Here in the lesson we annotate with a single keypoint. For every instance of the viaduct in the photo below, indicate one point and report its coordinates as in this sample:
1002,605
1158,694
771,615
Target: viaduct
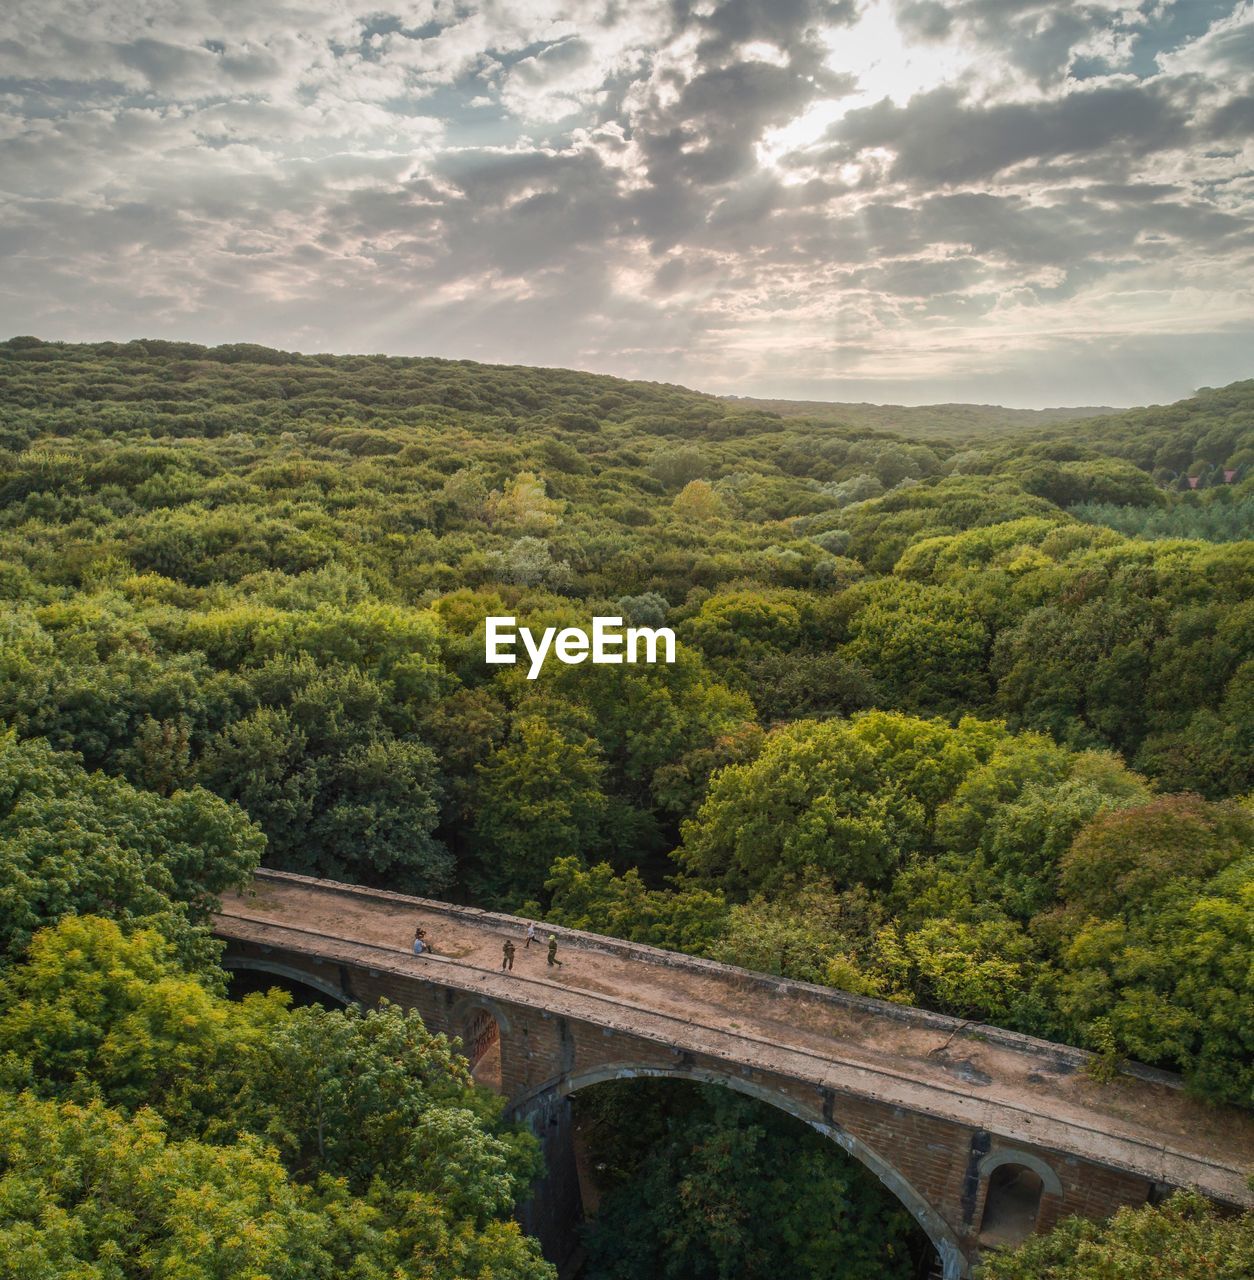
984,1135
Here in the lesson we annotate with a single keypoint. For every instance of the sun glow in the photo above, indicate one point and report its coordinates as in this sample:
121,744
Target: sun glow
885,63
888,64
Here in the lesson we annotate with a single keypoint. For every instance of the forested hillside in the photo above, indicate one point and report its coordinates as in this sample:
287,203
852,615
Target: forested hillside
963,725
954,422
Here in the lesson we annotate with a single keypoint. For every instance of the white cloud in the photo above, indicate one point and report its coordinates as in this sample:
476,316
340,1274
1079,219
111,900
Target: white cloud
745,196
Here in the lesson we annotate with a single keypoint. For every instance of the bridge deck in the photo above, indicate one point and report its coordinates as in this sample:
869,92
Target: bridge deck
1025,1090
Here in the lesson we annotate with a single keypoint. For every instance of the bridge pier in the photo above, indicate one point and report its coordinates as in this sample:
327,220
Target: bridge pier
554,1211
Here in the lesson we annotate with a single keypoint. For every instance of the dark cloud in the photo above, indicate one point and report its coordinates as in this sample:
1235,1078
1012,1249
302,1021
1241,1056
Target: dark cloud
1235,119
788,24
925,19
939,138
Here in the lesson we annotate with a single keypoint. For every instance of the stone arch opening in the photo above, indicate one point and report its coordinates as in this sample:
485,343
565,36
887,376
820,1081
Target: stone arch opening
1011,1205
952,1262
481,1043
249,975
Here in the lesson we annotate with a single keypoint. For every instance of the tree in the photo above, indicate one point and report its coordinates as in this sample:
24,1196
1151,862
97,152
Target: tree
674,468
529,562
801,685
969,969
321,767
926,645
736,626
697,501
72,842
841,801
1169,982
375,1096
595,899
88,1191
94,1012
1120,860
354,1104
697,1181
1181,1239
524,505
539,796
812,935
379,805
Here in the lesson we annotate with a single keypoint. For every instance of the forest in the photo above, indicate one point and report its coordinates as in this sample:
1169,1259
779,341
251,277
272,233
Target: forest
962,717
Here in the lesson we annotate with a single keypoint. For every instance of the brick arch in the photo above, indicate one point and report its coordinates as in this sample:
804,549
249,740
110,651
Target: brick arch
483,1028
257,965
467,1004
954,1262
1051,1185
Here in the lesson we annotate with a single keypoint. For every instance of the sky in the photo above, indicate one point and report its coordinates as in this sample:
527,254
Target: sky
1025,202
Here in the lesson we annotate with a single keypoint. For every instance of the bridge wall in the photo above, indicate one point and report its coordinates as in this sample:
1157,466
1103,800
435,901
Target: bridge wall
938,1168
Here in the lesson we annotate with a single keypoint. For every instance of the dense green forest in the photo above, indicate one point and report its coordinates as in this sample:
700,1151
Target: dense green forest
963,719
954,422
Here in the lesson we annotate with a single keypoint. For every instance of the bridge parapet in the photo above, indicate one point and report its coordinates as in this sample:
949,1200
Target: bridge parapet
1055,1056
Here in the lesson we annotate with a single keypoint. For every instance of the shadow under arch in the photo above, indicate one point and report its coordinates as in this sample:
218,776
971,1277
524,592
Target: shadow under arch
1017,1182
954,1263
290,976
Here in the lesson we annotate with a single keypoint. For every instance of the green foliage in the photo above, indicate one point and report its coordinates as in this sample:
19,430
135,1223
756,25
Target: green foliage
940,421
89,1192
539,795
1155,934
247,576
812,935
248,589
597,900
1213,521
73,842
1122,860
703,1184
95,1013
364,1122
925,646
844,801
1182,1239
369,1096
972,969
86,1192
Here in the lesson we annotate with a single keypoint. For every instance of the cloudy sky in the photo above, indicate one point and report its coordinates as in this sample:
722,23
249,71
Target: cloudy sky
1023,201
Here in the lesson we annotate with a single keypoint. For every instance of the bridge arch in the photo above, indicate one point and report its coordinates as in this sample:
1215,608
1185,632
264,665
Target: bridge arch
954,1262
302,977
1014,1184
1050,1182
483,1028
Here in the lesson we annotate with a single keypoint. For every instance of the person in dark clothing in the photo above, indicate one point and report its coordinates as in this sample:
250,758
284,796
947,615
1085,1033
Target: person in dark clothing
507,956
553,960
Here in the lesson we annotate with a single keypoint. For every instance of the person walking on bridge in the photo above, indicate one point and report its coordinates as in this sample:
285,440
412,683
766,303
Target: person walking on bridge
553,960
507,956
531,935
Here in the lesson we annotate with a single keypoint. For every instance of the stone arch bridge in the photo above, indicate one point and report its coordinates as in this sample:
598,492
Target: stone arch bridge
983,1134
